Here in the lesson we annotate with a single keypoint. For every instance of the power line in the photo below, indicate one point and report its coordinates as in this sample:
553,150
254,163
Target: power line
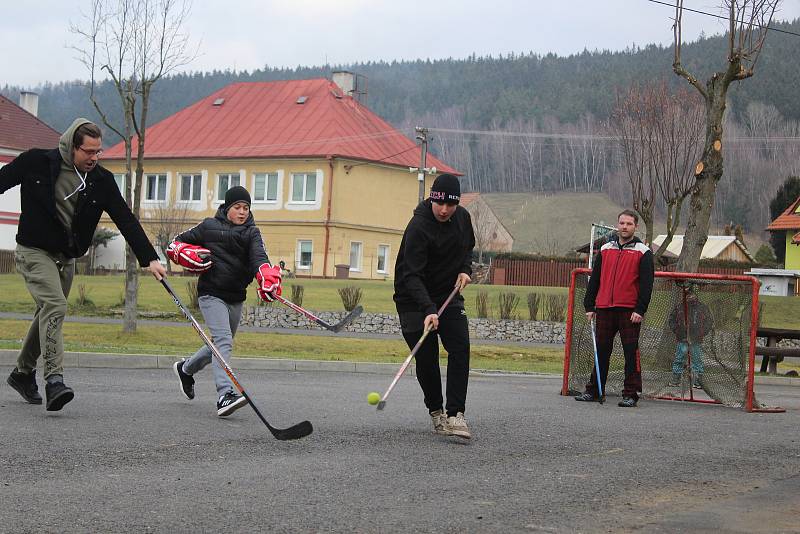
769,28
594,137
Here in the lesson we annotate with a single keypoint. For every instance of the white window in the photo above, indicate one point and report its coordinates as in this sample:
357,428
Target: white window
355,256
120,179
304,187
225,182
191,187
265,187
156,187
383,258
304,250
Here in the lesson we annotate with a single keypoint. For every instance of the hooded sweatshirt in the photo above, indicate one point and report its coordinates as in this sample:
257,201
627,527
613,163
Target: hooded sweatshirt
69,180
237,251
432,254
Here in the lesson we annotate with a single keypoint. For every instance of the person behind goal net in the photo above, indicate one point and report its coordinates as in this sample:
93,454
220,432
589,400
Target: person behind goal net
690,320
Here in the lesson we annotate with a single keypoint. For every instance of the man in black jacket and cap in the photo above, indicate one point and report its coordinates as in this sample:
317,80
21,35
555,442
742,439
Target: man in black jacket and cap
435,256
63,193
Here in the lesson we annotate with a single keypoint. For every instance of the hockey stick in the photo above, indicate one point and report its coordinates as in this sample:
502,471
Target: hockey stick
300,430
338,327
407,362
596,363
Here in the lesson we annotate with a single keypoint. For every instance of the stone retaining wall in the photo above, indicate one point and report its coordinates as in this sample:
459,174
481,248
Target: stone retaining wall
384,323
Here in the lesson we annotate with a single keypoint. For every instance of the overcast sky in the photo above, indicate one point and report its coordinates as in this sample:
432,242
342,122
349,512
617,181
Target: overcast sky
249,34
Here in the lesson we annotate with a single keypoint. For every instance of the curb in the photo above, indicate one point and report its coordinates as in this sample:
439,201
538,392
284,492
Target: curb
154,361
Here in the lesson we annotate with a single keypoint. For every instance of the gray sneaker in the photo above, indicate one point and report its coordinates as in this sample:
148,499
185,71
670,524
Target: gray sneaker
439,420
457,426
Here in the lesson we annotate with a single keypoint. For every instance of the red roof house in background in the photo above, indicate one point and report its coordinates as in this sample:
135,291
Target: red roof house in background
20,130
292,118
330,180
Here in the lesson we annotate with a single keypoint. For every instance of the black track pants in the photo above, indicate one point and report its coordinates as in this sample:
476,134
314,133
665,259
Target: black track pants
454,333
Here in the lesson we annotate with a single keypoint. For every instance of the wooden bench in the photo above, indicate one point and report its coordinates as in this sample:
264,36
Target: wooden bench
772,354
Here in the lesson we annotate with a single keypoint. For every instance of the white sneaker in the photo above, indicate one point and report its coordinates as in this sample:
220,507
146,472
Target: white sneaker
439,420
457,426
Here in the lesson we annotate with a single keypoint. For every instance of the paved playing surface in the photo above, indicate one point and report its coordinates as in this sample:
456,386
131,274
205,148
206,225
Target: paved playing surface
130,455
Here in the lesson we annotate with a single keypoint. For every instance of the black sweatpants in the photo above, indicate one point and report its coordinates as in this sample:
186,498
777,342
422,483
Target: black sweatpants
454,333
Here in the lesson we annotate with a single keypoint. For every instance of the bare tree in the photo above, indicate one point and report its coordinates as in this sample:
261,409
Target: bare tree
135,43
167,220
484,226
748,23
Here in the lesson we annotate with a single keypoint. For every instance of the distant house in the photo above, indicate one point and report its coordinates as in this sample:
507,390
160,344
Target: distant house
717,247
490,234
788,223
20,130
330,181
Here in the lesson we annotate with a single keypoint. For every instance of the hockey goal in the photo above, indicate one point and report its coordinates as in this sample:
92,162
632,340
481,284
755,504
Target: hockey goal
697,342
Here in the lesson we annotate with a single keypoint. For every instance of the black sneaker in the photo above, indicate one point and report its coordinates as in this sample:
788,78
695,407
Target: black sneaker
25,386
187,381
627,402
58,395
586,397
229,403
698,382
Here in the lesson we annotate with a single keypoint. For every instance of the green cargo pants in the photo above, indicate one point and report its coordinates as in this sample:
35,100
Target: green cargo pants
48,277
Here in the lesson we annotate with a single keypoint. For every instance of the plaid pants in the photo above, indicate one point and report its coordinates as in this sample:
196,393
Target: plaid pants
608,323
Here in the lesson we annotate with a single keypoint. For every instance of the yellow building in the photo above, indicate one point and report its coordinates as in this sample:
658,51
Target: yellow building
329,180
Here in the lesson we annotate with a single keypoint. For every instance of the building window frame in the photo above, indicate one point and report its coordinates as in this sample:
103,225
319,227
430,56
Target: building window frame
230,179
304,263
303,194
158,191
195,187
270,182
385,256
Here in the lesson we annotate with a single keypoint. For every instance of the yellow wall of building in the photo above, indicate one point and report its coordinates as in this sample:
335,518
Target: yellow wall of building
371,205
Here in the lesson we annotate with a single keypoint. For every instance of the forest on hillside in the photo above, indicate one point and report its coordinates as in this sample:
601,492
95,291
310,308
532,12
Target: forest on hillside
536,123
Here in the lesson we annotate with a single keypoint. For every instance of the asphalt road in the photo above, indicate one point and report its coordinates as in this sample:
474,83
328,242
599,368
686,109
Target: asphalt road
130,455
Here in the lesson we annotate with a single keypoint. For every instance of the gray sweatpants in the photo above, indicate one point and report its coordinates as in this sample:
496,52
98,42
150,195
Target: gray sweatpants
222,319
48,277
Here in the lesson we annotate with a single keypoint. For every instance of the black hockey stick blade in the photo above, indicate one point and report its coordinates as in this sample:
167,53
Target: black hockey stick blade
381,405
348,319
300,430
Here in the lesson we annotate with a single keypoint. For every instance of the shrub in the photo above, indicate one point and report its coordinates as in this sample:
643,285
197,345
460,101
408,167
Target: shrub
533,305
83,300
508,303
191,288
351,296
297,294
482,304
557,308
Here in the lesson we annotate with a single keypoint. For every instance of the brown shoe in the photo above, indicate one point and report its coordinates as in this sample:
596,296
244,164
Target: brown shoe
457,426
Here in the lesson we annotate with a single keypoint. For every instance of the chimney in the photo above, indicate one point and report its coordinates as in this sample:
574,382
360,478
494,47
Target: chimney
345,80
29,102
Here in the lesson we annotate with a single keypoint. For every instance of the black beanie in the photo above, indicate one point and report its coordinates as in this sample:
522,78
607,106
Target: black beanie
446,188
236,194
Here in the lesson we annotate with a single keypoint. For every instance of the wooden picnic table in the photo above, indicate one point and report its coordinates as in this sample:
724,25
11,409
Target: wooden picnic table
772,354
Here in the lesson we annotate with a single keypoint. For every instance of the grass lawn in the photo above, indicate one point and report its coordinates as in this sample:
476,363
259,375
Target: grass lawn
181,340
106,293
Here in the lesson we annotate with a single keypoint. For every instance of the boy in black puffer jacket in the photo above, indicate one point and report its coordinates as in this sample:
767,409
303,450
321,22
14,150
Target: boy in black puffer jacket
228,250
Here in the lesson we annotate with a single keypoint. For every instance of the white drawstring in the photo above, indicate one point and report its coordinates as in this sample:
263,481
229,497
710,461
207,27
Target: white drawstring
82,185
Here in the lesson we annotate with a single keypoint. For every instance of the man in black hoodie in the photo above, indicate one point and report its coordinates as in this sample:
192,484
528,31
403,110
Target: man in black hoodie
435,256
63,193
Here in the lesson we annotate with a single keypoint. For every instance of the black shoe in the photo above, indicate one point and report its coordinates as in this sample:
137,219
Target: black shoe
25,386
58,395
187,381
229,403
586,397
628,402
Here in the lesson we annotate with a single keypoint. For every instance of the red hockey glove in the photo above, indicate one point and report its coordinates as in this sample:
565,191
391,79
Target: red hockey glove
193,258
269,282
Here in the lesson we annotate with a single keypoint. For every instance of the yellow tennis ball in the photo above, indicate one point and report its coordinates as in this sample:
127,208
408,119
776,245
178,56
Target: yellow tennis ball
374,398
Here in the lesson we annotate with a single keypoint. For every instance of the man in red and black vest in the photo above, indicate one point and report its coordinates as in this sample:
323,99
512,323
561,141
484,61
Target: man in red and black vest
617,298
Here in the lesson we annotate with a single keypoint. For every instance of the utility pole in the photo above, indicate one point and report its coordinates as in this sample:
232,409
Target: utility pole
422,137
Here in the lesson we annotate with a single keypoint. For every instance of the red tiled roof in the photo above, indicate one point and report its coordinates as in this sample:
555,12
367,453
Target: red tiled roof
796,239
788,220
6,159
19,130
264,120
468,198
